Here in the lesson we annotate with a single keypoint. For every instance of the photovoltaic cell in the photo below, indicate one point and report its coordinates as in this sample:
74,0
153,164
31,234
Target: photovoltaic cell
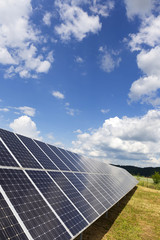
97,184
52,156
71,158
5,157
18,150
106,187
63,207
74,196
63,158
95,191
86,193
36,151
9,226
40,221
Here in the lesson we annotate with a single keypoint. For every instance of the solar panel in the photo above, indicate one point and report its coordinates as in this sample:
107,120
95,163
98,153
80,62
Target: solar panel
36,151
50,193
18,150
9,226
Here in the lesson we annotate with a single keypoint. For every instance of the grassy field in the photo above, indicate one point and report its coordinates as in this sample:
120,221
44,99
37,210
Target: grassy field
136,217
147,182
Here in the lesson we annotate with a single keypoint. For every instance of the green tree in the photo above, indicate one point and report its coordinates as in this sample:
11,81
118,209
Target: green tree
156,177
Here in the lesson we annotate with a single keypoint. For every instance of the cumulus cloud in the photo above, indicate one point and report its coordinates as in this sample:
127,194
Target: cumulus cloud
25,126
148,34
47,18
58,95
141,8
27,110
18,39
75,21
146,41
124,140
109,60
102,9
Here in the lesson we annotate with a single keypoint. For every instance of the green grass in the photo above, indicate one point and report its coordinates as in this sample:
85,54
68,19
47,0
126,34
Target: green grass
136,217
147,182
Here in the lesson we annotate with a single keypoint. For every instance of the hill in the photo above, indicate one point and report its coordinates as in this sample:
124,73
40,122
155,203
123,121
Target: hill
147,171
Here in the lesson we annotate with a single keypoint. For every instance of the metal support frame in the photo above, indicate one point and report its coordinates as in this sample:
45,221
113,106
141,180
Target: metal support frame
81,236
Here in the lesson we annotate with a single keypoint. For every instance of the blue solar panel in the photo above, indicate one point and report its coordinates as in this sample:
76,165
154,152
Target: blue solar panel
36,151
64,208
9,226
76,163
86,193
63,158
40,221
52,156
19,151
95,191
5,157
75,197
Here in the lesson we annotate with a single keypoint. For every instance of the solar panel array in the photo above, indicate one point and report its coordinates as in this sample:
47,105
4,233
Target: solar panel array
49,193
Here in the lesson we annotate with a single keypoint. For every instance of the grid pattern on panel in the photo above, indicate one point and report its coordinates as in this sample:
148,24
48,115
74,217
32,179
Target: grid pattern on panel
63,155
86,193
94,190
9,226
36,151
74,195
97,184
106,187
40,221
63,207
52,155
5,157
64,159
71,157
19,151
50,152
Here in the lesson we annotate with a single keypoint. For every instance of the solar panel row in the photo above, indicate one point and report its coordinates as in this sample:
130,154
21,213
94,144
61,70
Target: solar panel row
55,193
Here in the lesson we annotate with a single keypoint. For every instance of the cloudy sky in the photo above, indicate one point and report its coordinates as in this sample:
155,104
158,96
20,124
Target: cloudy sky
84,75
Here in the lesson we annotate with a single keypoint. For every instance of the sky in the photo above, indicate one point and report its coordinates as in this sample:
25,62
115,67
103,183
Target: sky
83,75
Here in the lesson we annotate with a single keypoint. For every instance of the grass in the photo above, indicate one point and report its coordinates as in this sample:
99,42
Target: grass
147,182
136,217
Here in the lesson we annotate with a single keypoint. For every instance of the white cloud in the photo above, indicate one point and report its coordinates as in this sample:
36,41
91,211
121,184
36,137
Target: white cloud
78,131
102,9
4,110
58,95
104,111
50,136
141,8
71,111
149,34
109,60
5,57
124,140
47,18
75,21
143,87
27,110
79,59
18,39
147,41
25,126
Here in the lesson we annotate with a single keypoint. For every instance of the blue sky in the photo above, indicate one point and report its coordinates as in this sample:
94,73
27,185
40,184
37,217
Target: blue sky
84,75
